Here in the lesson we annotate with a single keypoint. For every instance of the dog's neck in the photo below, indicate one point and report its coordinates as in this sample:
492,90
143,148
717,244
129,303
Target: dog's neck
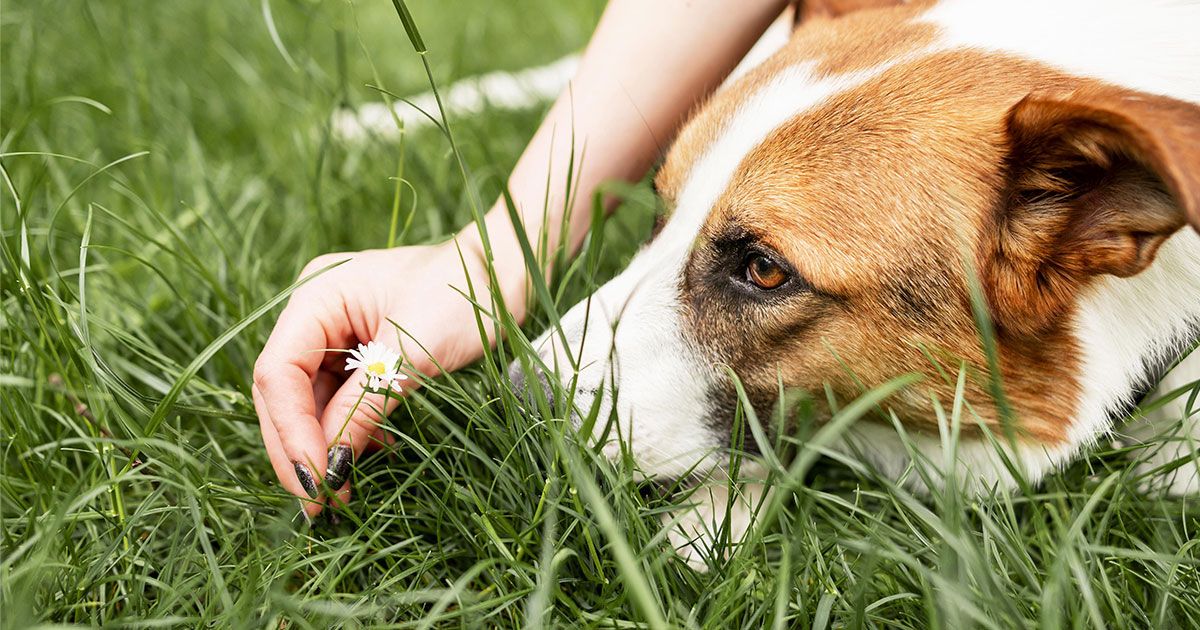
1129,329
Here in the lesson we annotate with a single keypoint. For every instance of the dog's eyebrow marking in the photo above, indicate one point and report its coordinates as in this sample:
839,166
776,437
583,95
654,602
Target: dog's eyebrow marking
791,92
912,303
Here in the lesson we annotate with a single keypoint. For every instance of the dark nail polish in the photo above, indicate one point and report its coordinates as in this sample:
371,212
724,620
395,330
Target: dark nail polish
307,480
338,469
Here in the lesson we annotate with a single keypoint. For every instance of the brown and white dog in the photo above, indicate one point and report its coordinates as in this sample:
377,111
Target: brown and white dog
827,209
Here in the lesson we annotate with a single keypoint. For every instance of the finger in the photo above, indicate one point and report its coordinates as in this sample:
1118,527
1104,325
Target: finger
325,385
310,507
353,418
351,421
377,440
284,376
284,469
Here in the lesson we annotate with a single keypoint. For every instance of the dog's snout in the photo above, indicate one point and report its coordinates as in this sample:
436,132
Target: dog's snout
525,387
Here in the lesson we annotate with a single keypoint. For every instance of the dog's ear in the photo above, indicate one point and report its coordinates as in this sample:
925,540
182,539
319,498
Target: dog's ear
1097,179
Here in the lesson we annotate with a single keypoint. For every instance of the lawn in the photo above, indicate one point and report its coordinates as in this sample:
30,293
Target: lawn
168,167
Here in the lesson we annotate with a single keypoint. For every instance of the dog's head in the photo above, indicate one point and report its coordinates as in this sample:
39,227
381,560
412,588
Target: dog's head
826,214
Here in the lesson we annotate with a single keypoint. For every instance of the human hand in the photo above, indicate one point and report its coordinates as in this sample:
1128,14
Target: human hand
315,420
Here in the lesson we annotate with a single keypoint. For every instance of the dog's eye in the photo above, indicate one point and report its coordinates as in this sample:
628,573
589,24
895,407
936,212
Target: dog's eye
765,273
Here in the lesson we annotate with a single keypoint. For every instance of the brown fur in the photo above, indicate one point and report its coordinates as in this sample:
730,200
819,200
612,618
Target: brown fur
861,40
808,10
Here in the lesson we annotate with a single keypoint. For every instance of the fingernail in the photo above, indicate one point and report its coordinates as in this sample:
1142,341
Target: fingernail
339,467
307,480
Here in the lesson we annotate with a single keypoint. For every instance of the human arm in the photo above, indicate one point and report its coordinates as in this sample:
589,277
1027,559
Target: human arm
647,65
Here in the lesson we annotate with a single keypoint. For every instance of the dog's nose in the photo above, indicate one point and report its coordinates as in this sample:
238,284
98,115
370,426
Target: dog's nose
523,386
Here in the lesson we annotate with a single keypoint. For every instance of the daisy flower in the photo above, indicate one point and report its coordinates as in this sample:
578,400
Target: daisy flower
379,362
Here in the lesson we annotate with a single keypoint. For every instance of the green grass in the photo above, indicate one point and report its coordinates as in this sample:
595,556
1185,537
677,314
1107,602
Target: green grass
167,170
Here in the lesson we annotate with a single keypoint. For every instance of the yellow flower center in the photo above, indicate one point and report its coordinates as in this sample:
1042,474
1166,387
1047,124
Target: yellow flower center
377,368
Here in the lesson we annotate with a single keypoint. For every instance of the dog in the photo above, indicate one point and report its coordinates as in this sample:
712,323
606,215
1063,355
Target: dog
836,214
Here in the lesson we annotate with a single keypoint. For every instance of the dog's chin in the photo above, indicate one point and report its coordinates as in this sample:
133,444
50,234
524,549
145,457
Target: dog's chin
714,513
714,516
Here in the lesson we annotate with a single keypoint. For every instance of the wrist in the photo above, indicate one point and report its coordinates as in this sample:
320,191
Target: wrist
504,256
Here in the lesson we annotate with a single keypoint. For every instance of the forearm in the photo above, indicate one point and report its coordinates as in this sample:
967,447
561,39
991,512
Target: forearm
647,65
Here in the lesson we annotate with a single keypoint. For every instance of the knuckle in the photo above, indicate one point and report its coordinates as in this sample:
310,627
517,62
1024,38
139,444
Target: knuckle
265,372
366,421
312,267
316,264
362,419
323,261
